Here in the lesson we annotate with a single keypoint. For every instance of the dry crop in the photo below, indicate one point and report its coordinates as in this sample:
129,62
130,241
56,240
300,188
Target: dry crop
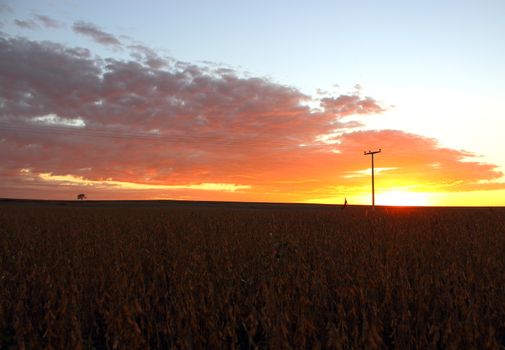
190,277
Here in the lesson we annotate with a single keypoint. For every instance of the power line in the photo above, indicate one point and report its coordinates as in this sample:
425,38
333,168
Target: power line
161,138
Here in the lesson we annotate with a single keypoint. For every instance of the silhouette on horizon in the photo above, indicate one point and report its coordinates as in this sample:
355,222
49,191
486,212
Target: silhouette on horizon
81,196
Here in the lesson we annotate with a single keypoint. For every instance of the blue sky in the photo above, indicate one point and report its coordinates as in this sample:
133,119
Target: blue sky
311,44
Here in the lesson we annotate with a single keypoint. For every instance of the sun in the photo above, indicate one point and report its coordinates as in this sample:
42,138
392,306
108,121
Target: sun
402,198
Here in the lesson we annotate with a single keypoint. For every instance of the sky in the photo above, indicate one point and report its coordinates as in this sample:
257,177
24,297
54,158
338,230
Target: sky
253,101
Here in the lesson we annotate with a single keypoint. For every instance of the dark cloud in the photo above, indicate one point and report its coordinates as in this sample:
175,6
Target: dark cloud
42,78
66,112
95,33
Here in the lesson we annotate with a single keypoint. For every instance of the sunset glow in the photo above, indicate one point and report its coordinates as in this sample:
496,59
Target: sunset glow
69,180
403,198
86,106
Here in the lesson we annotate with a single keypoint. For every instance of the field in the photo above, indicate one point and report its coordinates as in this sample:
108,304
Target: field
132,275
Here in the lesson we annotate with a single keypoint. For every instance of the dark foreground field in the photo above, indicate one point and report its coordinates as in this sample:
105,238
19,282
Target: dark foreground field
131,275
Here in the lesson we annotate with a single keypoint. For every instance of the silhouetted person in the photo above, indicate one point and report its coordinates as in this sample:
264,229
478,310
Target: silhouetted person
345,203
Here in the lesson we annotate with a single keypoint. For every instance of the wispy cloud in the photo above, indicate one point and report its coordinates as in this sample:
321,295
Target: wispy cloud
27,24
351,104
37,21
366,172
48,22
70,180
95,33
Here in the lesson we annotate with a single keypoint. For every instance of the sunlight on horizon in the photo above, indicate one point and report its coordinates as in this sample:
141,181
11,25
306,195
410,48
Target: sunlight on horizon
403,198
393,197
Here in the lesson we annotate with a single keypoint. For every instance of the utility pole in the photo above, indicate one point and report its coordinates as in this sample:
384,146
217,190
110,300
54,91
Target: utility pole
373,184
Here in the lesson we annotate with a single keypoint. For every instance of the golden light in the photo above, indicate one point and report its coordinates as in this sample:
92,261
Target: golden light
403,198
71,180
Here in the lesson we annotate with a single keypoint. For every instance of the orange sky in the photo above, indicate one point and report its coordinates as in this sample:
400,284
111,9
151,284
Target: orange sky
162,129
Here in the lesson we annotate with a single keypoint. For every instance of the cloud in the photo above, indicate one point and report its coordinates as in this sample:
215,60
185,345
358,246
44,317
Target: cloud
414,160
48,22
37,21
70,180
95,33
26,24
351,104
148,56
174,128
